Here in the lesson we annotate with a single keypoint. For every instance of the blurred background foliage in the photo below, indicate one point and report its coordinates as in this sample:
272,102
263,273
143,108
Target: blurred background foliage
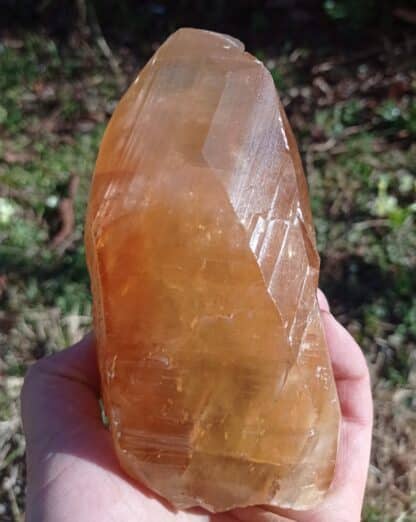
346,73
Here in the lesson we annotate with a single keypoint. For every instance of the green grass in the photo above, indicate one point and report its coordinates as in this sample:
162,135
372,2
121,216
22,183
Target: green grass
41,147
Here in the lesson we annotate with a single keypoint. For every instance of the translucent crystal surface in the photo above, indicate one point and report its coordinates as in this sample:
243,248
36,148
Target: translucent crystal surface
200,244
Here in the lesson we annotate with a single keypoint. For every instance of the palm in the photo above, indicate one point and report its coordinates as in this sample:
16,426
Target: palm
74,474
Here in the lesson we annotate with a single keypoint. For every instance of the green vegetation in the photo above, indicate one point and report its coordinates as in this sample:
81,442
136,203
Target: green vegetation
355,118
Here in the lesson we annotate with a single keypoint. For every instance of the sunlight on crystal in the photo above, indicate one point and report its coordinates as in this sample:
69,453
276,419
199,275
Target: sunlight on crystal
201,248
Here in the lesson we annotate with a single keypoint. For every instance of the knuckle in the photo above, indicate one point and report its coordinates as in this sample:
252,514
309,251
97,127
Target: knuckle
31,380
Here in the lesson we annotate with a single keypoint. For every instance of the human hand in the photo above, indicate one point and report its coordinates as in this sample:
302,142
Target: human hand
73,474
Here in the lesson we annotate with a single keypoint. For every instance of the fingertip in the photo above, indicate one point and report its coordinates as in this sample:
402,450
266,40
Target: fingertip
322,301
347,358
77,363
351,373
61,391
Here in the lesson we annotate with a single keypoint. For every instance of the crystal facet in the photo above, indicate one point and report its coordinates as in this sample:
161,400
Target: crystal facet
200,243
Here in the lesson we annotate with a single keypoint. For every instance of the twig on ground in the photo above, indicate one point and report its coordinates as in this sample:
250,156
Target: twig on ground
352,58
371,223
103,45
66,213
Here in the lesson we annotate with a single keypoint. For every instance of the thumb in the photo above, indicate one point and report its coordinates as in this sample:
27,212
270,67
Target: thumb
60,397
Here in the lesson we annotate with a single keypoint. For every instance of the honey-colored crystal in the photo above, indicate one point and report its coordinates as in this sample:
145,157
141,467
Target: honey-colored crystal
200,244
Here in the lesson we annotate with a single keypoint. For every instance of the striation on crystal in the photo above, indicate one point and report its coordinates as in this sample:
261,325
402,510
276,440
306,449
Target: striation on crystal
200,244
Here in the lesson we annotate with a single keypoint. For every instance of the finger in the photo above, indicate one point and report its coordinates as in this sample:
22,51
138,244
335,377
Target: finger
258,514
61,392
62,421
77,363
354,391
322,301
350,372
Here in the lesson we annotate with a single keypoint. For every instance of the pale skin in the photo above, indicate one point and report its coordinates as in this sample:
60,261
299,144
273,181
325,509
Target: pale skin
73,473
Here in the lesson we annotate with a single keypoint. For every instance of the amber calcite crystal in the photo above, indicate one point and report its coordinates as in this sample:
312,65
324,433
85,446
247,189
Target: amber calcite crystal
200,243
